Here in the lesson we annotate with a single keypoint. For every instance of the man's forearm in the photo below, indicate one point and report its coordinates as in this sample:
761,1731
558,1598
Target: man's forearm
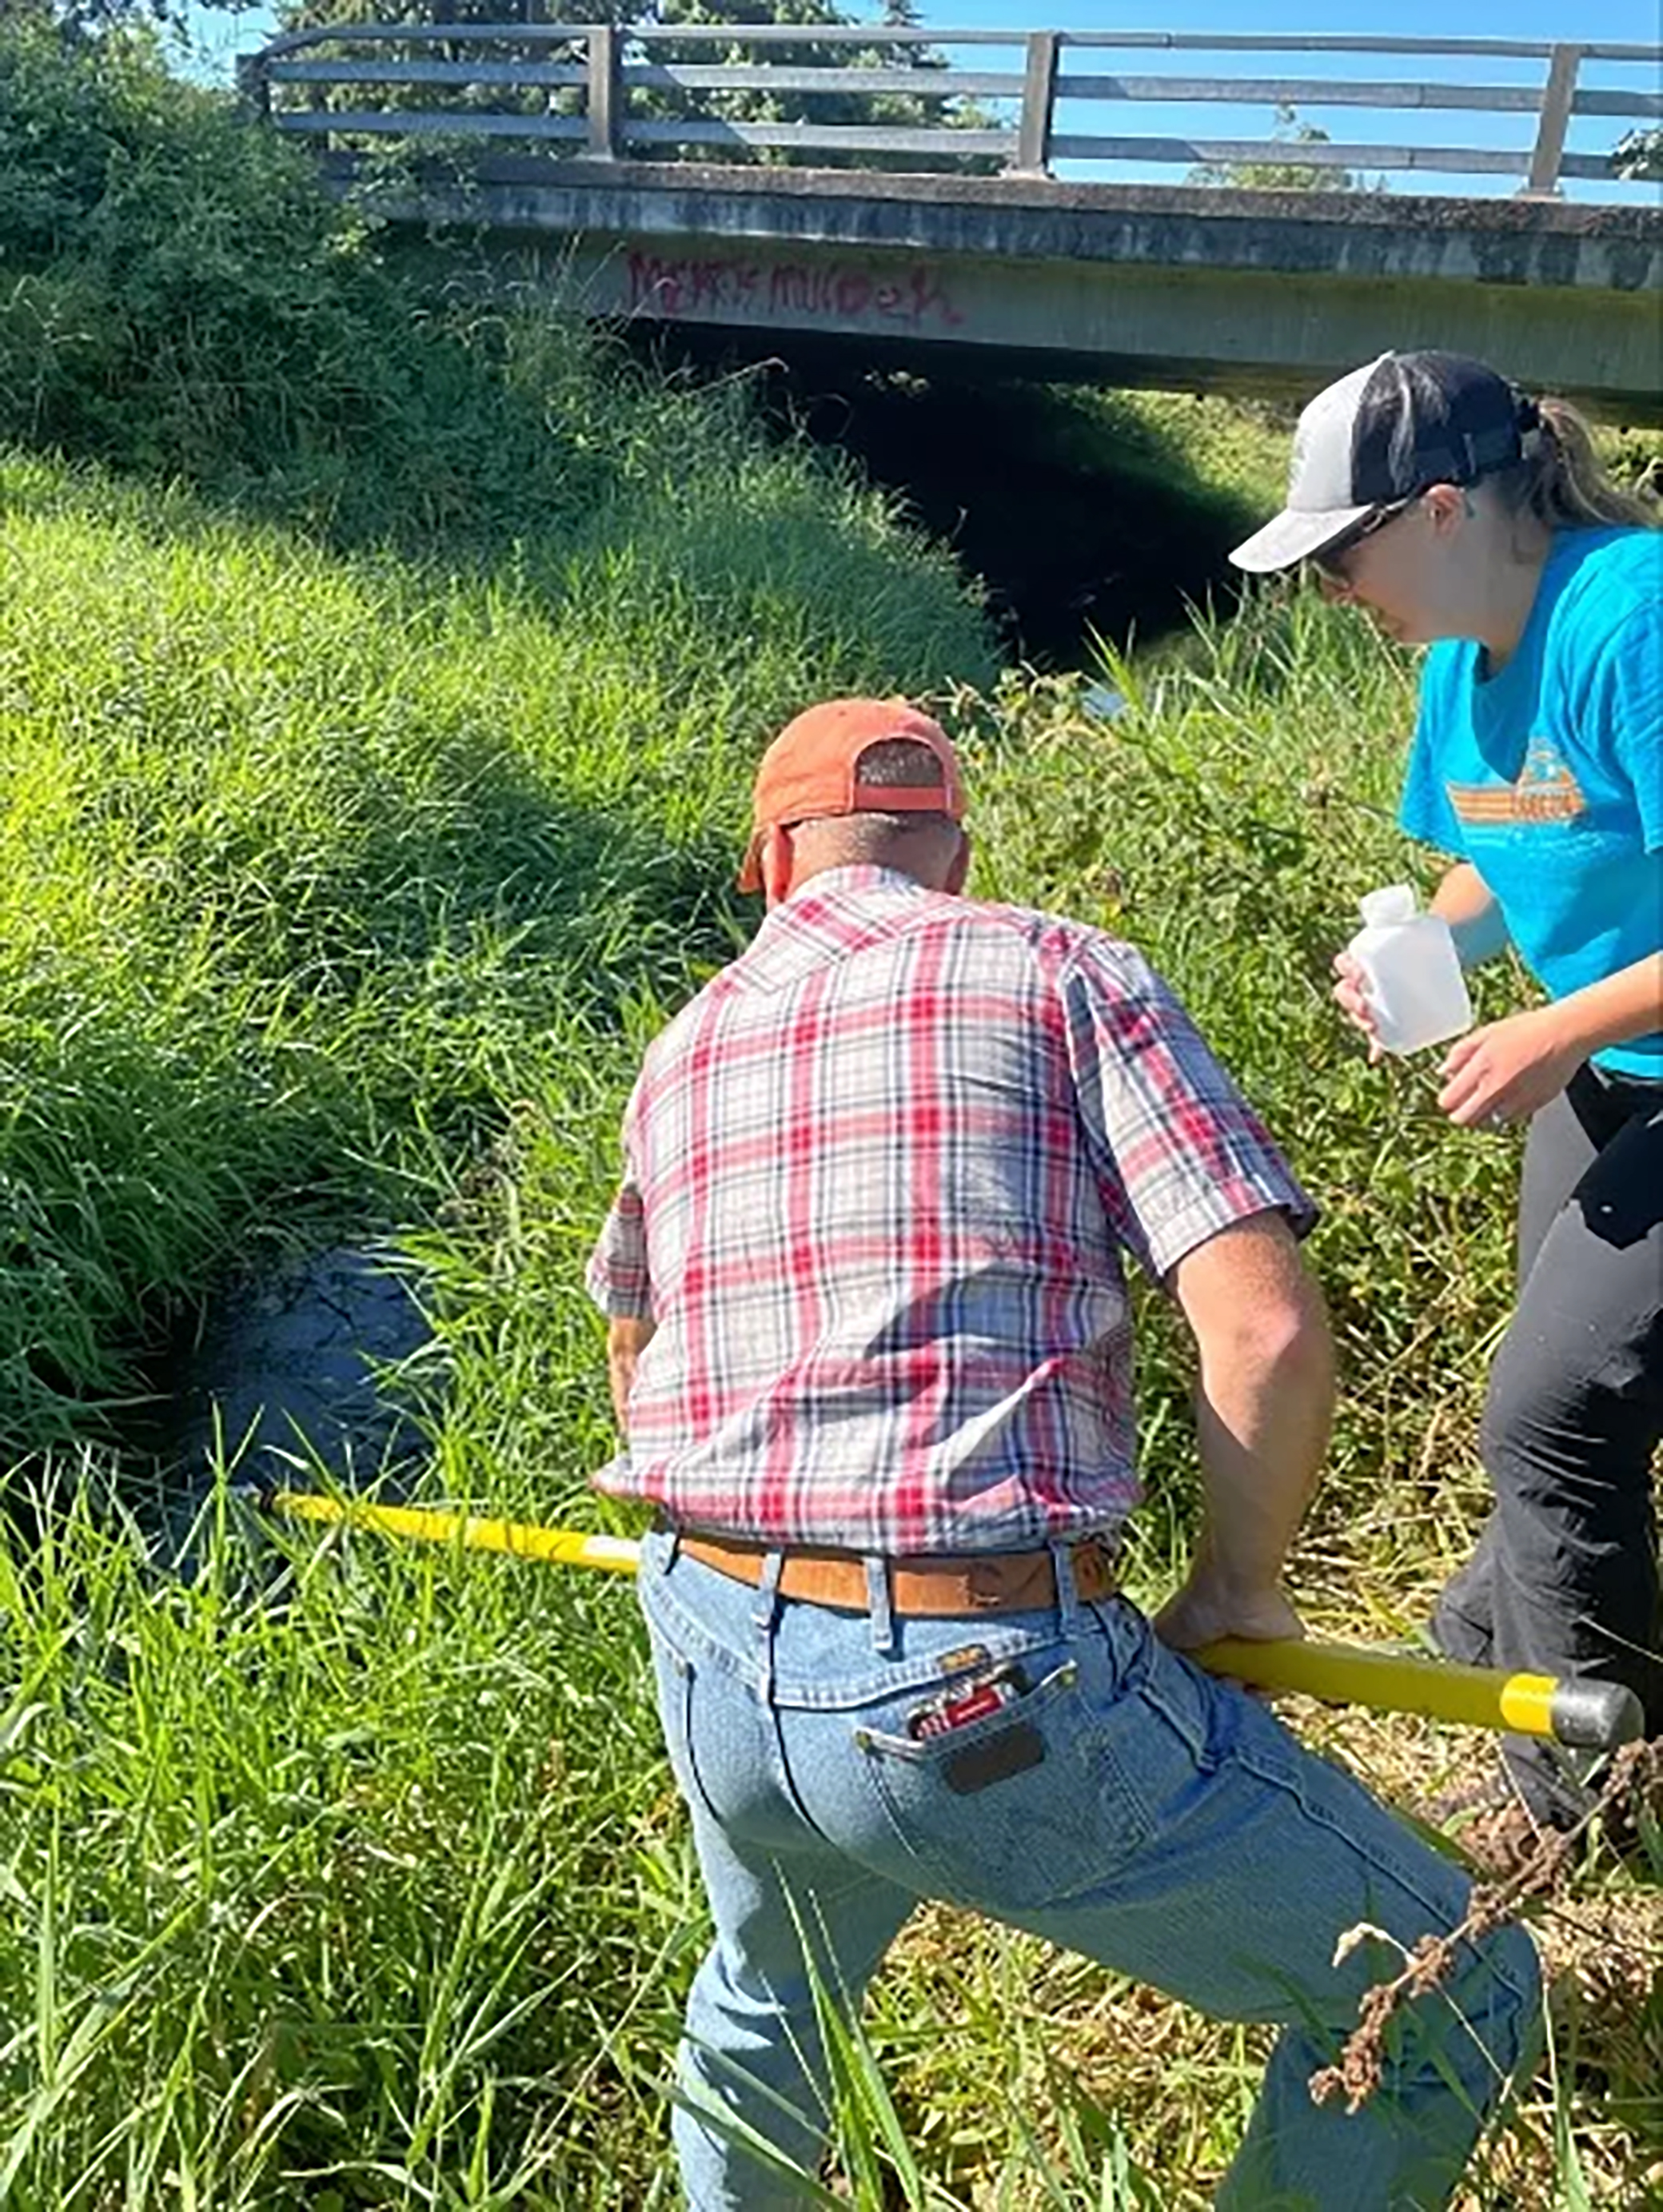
1475,922
1264,1396
1263,1412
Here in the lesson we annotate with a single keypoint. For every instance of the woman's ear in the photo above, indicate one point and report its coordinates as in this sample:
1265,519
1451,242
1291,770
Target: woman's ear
960,868
1446,507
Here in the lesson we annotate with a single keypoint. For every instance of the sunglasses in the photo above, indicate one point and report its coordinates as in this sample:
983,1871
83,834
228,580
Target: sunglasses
1330,564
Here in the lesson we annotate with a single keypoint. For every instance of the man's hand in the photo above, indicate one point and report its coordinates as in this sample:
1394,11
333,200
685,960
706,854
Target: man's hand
1203,1609
1508,1070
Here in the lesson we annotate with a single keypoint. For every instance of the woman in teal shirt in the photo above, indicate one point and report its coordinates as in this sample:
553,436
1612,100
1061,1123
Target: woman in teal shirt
1465,516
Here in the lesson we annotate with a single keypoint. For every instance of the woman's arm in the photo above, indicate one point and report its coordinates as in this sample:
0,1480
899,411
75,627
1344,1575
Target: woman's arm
1475,919
1507,1070
1627,1004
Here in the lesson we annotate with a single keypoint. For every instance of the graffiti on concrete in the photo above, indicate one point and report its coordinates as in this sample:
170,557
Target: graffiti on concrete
833,291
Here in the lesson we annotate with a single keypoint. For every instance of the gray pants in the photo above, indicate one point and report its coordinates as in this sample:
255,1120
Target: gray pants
1564,1580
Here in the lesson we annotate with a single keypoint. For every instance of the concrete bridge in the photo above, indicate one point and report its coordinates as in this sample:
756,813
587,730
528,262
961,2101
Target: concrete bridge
1272,283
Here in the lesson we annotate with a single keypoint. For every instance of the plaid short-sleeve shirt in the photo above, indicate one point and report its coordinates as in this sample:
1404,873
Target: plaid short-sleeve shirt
879,1177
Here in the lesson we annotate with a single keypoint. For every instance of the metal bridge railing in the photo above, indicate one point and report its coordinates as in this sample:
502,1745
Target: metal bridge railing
602,93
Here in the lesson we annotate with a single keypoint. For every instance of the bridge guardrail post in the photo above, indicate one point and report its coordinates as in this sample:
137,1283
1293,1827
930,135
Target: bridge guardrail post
605,93
1038,104
253,87
1553,120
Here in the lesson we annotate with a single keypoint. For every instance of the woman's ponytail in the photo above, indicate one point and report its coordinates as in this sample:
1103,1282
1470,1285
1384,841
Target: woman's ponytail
1560,480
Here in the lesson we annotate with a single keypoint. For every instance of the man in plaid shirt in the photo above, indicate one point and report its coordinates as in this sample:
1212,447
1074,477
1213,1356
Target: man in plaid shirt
871,1349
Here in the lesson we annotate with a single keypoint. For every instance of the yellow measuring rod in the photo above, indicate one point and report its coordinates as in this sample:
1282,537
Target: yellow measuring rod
522,1540
1591,1716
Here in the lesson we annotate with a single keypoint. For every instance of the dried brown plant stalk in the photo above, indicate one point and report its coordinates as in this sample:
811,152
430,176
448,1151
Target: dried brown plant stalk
1635,1783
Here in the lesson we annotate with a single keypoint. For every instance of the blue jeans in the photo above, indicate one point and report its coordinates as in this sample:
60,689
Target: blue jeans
1126,1806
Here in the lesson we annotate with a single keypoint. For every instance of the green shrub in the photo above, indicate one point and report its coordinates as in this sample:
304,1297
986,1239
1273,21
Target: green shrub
184,301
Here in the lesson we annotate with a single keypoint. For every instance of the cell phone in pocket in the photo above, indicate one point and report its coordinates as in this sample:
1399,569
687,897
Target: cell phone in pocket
966,1702
991,1758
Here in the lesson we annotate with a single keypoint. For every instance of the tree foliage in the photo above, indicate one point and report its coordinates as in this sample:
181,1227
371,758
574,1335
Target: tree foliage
299,14
1638,157
1284,173
81,18
903,108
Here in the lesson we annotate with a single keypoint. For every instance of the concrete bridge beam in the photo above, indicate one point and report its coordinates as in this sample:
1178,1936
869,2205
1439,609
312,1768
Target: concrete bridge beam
1162,285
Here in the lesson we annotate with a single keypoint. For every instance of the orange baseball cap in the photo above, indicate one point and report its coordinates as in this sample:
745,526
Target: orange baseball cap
812,771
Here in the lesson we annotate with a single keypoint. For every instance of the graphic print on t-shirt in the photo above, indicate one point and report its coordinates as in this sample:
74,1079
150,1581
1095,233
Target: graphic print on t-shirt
1546,791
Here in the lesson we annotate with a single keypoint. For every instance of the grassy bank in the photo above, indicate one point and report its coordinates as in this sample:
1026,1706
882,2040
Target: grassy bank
375,741
350,1876
309,863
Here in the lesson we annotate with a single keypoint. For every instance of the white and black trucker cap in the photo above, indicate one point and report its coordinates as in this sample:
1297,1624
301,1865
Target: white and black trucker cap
1382,434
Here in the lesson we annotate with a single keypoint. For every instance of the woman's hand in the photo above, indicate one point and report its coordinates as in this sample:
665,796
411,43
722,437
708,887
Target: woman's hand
1508,1070
1355,1003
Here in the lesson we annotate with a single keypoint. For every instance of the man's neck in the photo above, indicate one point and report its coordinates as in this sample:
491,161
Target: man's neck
820,877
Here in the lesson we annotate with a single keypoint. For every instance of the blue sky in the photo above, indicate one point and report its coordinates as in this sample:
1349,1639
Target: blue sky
218,36
1408,19
1412,19
1635,19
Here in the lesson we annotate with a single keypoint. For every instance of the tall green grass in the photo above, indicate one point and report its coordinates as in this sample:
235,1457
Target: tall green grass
380,682
341,1875
329,1878
307,865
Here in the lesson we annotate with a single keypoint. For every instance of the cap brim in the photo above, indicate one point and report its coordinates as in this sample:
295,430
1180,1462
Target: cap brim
1294,535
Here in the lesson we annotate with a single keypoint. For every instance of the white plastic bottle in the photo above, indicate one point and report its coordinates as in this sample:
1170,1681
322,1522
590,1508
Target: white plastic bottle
1411,974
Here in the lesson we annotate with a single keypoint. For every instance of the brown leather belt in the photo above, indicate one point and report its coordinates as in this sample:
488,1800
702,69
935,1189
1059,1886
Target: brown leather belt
992,1582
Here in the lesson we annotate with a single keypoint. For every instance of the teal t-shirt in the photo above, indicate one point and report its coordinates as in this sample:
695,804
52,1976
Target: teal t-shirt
1548,775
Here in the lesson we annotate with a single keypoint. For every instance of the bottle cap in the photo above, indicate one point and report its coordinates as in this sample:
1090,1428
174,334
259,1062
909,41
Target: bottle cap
1396,903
